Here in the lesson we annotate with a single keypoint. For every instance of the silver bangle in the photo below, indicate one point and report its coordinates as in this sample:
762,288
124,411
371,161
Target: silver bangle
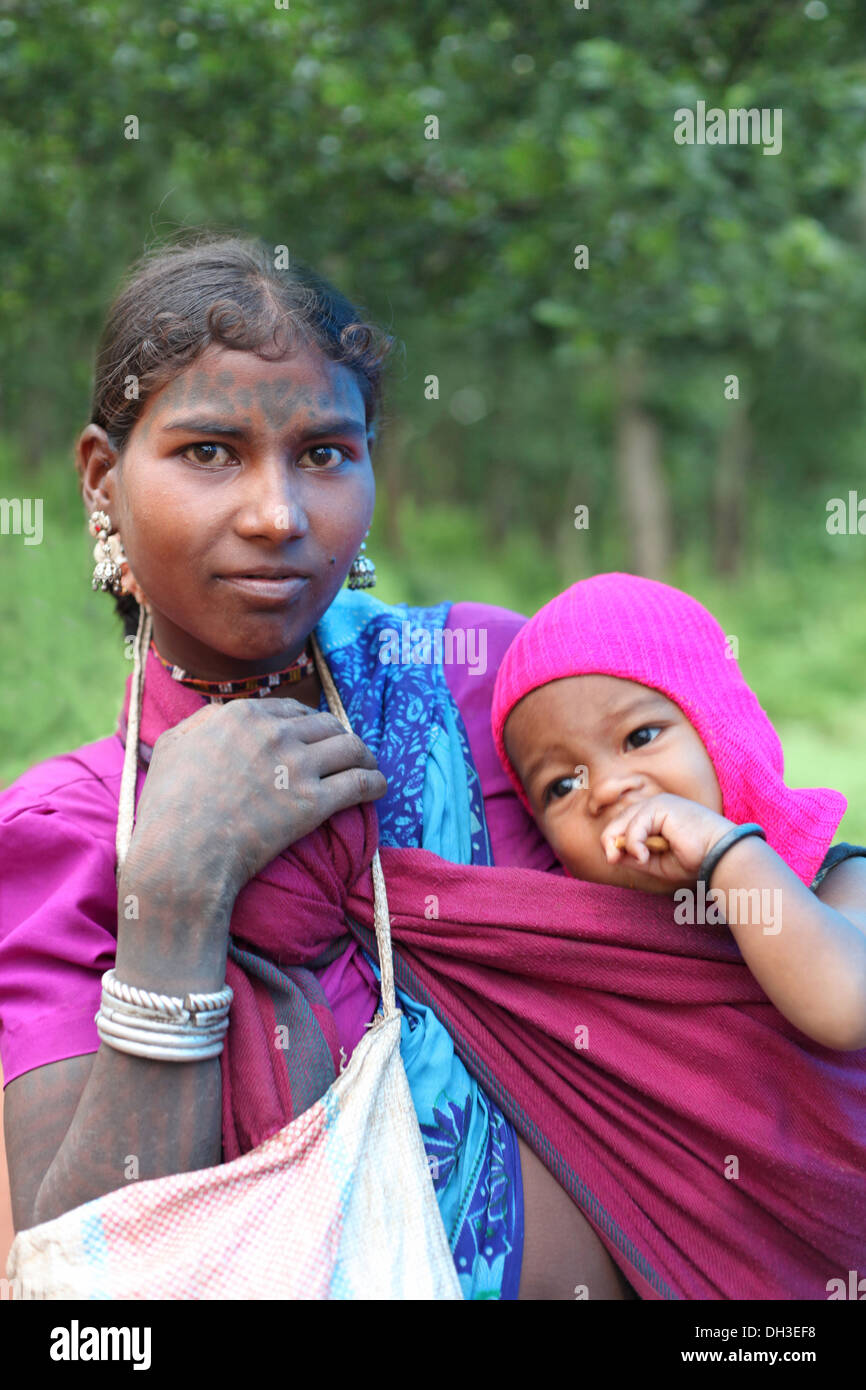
168,1022
164,1045
114,1025
150,1026
164,1054
165,1003
162,1026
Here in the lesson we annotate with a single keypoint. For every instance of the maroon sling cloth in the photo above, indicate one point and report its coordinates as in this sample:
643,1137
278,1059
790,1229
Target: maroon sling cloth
716,1150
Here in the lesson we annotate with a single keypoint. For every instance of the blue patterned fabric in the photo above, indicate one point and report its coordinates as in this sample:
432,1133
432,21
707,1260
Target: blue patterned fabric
473,1156
406,715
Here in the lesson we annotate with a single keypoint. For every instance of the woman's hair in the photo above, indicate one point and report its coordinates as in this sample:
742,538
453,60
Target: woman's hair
220,287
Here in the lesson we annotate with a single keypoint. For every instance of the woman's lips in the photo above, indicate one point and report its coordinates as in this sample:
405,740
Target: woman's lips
277,591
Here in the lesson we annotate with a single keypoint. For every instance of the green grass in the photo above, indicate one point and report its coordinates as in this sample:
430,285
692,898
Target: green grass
799,625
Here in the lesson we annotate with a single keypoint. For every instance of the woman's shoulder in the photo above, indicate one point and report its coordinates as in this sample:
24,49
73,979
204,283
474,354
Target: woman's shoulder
504,622
356,611
480,635
467,637
477,636
80,785
836,854
475,611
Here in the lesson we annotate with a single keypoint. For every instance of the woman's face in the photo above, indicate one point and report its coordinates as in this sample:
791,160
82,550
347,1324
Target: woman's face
586,748
238,465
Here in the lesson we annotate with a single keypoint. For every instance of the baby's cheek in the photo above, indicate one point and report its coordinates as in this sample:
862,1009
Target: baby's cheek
579,858
559,835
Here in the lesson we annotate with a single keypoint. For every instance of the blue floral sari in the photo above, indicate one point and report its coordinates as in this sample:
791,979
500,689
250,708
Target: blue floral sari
405,713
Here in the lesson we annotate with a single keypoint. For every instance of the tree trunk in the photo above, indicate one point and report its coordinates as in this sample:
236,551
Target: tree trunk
391,467
497,513
729,491
34,431
644,495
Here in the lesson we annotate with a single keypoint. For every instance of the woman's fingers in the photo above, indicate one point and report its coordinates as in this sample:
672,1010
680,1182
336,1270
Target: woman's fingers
352,786
307,723
284,769
328,746
339,763
334,755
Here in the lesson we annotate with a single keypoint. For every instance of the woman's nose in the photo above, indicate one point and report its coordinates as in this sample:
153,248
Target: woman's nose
273,506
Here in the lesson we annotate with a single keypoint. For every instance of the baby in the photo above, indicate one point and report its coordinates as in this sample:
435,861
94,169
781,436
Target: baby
631,737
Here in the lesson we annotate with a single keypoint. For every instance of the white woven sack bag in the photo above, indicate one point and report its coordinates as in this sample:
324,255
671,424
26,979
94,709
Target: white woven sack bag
339,1204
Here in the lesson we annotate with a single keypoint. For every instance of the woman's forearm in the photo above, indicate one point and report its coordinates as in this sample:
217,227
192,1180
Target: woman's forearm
807,957
138,1118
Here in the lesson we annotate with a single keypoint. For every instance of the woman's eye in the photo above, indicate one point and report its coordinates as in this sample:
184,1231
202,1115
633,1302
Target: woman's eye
322,454
327,449
201,448
636,739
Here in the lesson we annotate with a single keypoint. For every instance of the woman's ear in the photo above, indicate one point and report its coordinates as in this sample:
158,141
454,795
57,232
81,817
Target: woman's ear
95,458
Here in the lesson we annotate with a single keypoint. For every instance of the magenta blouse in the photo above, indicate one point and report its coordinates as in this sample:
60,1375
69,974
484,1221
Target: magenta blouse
58,897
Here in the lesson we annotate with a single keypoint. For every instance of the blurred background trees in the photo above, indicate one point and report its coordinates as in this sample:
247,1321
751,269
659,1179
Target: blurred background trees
558,386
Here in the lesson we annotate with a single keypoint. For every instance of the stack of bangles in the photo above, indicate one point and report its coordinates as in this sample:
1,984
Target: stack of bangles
162,1026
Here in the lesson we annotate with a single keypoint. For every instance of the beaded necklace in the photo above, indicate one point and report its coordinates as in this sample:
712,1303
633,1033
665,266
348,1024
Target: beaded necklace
302,666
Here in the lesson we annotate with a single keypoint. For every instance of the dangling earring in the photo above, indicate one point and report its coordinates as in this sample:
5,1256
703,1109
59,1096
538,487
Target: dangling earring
112,566
108,573
362,572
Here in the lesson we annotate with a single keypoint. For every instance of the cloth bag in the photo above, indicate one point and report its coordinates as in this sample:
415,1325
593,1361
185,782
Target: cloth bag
338,1204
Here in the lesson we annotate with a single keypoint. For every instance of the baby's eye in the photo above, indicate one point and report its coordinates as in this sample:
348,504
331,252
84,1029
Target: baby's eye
635,739
566,782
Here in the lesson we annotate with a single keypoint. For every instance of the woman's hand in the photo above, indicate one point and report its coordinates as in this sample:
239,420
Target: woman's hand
233,785
690,829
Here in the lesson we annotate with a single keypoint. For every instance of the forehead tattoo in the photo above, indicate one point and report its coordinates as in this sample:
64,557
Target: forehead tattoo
277,400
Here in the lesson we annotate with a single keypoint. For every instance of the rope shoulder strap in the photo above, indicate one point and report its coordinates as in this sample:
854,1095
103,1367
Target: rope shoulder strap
126,807
382,916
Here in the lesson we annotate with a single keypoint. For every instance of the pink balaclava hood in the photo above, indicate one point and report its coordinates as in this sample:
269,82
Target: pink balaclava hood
645,631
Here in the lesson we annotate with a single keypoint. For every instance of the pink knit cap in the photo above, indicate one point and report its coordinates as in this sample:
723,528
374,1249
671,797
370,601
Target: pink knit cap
645,631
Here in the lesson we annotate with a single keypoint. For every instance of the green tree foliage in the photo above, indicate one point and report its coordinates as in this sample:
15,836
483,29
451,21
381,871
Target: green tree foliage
309,125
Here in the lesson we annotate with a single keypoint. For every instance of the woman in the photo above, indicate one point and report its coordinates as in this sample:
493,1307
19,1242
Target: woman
226,473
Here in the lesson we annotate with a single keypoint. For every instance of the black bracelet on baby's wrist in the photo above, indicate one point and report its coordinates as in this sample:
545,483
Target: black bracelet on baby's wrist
712,857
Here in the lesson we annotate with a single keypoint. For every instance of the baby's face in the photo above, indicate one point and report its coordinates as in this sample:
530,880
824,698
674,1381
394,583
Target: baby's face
587,747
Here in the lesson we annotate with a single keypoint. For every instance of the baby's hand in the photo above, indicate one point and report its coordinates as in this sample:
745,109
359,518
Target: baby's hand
690,829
